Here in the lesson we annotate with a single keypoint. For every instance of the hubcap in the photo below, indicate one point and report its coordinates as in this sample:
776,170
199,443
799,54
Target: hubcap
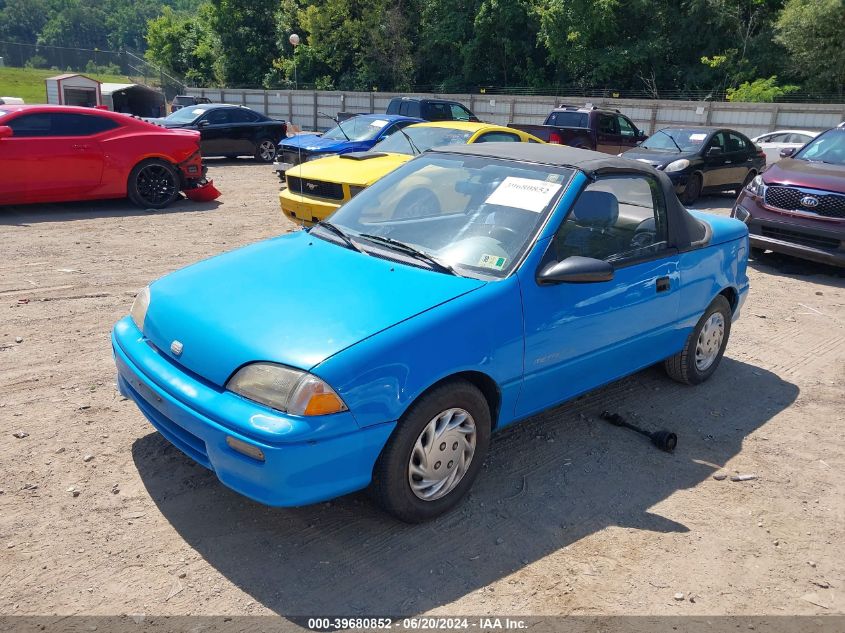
156,184
442,454
709,341
267,150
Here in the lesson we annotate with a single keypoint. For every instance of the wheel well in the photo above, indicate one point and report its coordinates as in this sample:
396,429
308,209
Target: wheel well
486,385
732,296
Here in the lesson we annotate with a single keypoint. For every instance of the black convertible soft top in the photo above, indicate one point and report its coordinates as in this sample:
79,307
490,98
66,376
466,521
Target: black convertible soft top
685,231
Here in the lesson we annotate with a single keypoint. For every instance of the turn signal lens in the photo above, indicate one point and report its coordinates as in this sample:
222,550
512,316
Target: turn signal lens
139,308
312,396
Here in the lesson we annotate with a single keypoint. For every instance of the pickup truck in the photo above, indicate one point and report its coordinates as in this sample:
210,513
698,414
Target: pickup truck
605,131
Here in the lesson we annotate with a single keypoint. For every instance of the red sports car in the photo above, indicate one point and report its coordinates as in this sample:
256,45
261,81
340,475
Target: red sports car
63,153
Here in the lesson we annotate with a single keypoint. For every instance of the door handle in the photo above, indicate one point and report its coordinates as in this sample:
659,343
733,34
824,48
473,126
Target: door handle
662,284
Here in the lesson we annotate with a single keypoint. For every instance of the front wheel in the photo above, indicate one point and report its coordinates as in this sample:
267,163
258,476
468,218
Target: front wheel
692,190
265,150
435,453
153,184
705,346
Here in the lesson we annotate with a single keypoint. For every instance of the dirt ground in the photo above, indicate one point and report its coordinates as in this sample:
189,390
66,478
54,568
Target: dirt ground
100,515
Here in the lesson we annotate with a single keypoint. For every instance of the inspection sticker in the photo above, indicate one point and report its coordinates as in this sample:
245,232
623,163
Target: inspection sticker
492,261
524,193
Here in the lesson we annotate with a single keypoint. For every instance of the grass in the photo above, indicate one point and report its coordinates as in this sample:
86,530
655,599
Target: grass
28,83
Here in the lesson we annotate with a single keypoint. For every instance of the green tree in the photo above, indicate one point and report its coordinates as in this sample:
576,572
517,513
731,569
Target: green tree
185,45
77,25
813,31
759,90
245,30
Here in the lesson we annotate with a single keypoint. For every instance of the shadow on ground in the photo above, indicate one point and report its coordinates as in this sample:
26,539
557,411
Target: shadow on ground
784,265
548,482
26,214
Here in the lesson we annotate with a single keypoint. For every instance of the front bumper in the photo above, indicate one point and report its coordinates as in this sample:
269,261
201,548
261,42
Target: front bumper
819,241
305,210
303,462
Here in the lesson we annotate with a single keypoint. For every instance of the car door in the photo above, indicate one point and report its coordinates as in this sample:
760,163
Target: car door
716,170
246,129
629,135
739,159
53,154
580,335
607,134
214,133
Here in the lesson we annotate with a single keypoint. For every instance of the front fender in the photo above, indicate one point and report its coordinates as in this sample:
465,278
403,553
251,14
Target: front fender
480,331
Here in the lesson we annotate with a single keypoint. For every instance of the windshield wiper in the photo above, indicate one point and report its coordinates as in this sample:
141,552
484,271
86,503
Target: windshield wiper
672,138
331,228
413,252
413,145
337,121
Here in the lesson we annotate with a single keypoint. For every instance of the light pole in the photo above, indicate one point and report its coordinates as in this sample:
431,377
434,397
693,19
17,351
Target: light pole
294,40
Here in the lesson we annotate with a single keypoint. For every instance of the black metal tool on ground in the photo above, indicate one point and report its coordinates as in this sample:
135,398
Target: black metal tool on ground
664,440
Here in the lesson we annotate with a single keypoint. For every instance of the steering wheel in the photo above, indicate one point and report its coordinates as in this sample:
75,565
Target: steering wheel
504,232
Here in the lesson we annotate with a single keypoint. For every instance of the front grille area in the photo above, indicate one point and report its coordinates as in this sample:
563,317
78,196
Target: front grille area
831,205
797,237
293,157
317,188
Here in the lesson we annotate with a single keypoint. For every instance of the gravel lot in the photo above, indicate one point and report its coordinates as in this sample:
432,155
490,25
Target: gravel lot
99,515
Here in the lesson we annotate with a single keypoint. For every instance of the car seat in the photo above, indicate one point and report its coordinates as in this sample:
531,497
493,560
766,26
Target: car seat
588,229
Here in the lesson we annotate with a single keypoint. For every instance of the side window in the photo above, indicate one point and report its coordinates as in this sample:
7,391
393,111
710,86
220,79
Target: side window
736,143
798,138
243,116
775,138
497,137
460,113
718,140
616,218
30,125
403,108
220,116
626,128
437,112
60,124
607,124
393,106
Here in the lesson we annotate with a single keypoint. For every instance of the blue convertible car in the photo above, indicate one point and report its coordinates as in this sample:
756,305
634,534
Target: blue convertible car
381,348
358,134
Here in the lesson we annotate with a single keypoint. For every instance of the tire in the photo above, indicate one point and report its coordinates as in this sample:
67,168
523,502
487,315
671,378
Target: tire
153,184
265,150
685,366
692,190
393,476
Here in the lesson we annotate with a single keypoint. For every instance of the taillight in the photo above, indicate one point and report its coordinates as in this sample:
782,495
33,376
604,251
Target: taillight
555,138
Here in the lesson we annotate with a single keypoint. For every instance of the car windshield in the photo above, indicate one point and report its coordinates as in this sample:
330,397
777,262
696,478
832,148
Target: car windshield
687,139
826,148
186,115
474,215
422,139
359,128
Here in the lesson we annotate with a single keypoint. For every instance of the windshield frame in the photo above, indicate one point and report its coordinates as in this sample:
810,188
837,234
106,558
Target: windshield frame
568,174
799,155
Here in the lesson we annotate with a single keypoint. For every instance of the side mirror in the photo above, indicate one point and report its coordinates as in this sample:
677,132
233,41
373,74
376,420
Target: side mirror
5,131
575,269
203,123
641,135
714,151
786,152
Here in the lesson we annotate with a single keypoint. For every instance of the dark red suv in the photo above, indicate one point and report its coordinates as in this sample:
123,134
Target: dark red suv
797,205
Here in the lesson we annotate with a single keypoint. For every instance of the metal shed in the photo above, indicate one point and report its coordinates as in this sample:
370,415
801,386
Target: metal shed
136,99
73,89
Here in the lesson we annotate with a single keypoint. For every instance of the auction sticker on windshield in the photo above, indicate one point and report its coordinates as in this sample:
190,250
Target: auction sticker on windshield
697,137
524,193
378,123
492,261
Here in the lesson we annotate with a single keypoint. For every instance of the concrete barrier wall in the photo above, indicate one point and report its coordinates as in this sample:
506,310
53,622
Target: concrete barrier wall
303,107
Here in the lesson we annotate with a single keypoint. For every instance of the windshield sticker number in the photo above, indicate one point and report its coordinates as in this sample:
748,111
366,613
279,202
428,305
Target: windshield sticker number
697,137
524,193
198,111
492,261
378,123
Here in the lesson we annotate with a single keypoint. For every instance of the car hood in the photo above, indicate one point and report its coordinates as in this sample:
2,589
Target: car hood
294,300
656,158
803,173
362,170
314,143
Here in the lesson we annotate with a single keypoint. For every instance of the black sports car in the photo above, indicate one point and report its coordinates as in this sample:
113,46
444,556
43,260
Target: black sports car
230,130
701,160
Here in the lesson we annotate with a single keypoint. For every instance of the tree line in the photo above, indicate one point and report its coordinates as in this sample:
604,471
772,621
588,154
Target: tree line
748,49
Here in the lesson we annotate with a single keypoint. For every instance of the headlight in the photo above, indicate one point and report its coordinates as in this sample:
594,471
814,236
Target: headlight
678,165
318,156
139,307
284,389
757,186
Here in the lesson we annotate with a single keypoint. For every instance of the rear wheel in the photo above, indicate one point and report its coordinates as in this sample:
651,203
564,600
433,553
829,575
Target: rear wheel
692,190
265,150
153,184
435,453
705,346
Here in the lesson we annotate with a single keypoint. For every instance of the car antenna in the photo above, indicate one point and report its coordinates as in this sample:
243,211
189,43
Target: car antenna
413,145
339,126
672,138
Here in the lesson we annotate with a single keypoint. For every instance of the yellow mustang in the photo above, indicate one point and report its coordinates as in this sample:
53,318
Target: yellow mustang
316,189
